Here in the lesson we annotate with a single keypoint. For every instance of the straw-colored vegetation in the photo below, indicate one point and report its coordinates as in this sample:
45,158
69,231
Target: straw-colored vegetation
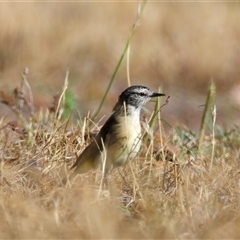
173,189
183,184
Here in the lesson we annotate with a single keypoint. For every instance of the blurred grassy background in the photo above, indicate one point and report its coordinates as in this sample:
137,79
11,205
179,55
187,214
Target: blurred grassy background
179,46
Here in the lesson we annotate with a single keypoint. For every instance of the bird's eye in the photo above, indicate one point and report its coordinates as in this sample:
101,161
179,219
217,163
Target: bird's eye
142,94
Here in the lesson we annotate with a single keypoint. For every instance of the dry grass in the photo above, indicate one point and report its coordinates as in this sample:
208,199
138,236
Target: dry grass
168,191
171,190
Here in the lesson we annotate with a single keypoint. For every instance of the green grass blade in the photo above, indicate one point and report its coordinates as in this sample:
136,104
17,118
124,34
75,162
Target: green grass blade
69,104
140,11
207,111
156,110
153,118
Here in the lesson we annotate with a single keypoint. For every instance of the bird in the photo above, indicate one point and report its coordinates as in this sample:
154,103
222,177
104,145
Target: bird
119,139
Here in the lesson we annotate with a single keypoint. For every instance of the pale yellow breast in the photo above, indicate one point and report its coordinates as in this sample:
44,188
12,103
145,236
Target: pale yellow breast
129,130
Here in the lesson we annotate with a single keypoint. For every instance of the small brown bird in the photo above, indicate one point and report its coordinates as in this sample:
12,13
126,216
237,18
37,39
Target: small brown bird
119,140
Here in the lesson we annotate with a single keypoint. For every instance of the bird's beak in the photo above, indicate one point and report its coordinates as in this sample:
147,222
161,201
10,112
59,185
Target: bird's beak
157,95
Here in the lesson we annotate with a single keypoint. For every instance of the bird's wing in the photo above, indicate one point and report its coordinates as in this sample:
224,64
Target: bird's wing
108,133
87,160
114,142
91,155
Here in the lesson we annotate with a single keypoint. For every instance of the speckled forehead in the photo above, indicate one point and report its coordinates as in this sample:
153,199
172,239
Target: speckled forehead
139,89
144,90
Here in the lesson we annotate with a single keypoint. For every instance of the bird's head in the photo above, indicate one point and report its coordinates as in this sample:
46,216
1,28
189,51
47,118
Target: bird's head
137,96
